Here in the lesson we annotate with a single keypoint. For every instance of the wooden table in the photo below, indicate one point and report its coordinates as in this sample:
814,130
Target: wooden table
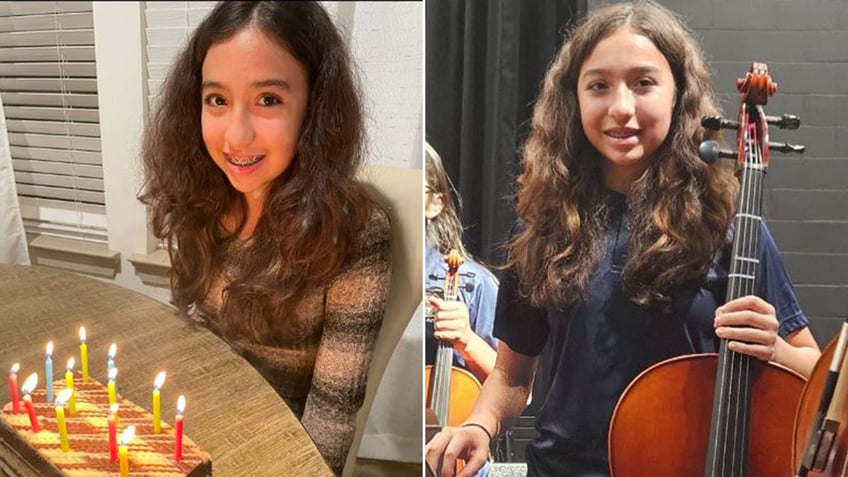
231,411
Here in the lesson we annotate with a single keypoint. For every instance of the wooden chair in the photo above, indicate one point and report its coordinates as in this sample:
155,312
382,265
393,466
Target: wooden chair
402,191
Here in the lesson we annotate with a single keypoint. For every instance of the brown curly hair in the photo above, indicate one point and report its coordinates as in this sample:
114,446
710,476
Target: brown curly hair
314,208
679,209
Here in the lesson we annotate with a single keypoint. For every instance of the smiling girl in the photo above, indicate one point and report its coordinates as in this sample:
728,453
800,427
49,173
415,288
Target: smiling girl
249,162
620,257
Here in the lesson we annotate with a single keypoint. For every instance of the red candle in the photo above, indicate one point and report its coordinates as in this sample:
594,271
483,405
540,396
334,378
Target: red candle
178,423
27,388
113,437
13,388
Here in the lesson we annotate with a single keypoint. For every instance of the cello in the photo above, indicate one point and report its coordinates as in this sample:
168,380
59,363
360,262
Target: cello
451,391
821,437
724,414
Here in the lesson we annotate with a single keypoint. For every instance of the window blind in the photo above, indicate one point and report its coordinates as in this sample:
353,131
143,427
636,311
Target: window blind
48,82
167,28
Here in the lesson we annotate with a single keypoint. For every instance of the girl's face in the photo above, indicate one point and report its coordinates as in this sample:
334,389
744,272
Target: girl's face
626,94
254,97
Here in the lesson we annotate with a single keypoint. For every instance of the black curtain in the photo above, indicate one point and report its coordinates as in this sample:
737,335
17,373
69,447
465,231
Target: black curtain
485,61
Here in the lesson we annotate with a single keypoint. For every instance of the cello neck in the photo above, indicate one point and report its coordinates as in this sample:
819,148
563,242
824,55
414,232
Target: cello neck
727,453
441,373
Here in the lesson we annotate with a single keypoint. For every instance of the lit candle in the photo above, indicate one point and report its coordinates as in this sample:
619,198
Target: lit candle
114,408
110,359
126,437
83,355
63,397
157,410
13,388
113,432
48,371
26,389
113,395
69,384
178,423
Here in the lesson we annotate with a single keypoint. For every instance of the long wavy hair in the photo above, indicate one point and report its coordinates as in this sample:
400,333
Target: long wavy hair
679,210
443,231
314,208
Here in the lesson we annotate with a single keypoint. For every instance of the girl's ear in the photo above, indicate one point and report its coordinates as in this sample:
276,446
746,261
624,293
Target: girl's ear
434,207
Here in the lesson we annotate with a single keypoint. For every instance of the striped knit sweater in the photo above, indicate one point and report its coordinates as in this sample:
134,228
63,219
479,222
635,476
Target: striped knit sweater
319,365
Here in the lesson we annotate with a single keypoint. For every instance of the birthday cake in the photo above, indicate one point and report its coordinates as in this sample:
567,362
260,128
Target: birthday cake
25,453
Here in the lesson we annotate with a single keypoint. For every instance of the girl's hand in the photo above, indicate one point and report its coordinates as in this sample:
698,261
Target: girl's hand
451,322
468,443
750,324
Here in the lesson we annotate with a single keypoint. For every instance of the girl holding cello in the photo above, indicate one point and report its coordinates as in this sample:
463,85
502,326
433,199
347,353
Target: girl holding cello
467,322
620,256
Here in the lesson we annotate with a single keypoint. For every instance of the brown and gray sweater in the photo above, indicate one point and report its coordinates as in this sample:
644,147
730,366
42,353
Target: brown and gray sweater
319,364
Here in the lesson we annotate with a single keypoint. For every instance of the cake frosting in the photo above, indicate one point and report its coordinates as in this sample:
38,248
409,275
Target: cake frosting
26,453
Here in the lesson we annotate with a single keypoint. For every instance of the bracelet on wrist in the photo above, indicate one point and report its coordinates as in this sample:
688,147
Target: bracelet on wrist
474,424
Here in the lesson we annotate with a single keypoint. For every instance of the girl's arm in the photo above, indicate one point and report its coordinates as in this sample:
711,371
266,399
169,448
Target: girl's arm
355,303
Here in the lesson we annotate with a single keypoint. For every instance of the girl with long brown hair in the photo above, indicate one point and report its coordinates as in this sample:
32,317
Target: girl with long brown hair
620,257
249,162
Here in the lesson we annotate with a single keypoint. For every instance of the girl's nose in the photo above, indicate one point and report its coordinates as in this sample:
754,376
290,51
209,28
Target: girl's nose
622,107
239,130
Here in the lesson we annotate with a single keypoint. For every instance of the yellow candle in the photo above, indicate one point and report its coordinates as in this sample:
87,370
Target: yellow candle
60,417
83,354
125,464
113,397
69,384
157,403
123,454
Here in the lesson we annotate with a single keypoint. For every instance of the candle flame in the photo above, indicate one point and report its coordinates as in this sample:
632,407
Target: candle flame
63,397
181,405
113,373
112,350
30,383
15,368
82,334
127,436
70,366
159,381
113,409
49,349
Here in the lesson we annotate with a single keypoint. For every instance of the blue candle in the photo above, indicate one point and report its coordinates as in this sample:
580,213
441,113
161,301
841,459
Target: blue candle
110,361
48,371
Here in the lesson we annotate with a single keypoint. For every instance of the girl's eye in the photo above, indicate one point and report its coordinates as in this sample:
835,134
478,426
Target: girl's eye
269,100
645,83
214,100
597,86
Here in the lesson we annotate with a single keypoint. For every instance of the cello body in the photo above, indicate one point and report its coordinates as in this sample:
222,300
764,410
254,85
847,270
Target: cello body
464,389
807,407
661,425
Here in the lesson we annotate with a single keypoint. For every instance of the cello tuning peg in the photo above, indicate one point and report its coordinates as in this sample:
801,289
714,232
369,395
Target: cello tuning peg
709,152
787,121
786,148
717,122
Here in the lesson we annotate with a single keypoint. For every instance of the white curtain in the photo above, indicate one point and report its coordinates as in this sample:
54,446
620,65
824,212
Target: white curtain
13,244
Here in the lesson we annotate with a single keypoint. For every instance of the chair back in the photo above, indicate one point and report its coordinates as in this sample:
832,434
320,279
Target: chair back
401,191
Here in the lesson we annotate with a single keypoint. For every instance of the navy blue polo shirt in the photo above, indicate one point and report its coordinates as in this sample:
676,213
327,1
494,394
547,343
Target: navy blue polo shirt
601,344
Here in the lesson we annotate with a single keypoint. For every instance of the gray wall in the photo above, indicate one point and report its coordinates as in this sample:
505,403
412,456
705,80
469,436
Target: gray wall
805,44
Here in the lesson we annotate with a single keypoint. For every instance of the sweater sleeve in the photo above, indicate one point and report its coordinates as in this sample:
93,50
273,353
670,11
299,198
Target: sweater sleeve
355,304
